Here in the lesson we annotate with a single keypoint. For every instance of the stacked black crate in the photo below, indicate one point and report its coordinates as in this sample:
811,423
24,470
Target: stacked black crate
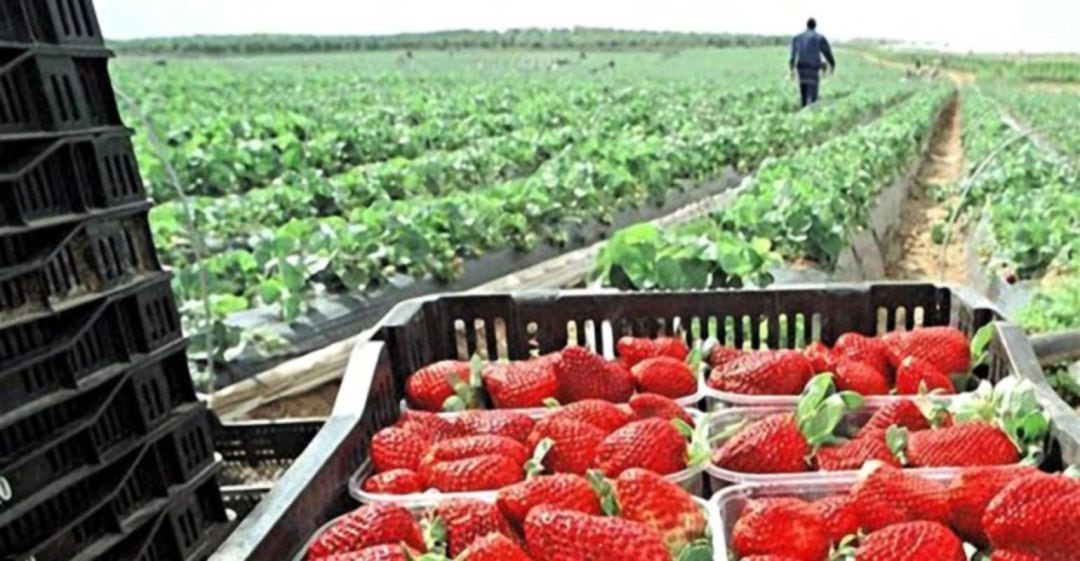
105,453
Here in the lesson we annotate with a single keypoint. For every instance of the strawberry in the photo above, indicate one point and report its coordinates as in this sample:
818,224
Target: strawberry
911,541
763,372
946,348
1003,555
465,521
975,443
859,378
852,454
494,547
652,444
721,355
398,448
430,387
478,473
661,505
650,406
632,350
1037,514
841,517
769,558
368,526
583,374
773,444
520,384
476,445
860,348
786,527
427,423
395,482
665,376
565,535
564,490
601,414
385,552
971,490
904,413
510,424
915,376
573,444
820,356
890,496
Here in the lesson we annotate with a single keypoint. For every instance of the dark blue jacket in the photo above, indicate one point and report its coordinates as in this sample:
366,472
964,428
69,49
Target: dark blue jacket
808,47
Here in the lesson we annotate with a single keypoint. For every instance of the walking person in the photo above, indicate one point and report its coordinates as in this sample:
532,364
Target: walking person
809,52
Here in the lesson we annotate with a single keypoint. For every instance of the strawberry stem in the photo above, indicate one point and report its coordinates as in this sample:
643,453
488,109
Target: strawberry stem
609,504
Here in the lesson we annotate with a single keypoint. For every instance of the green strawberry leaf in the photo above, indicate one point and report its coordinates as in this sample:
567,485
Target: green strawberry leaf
980,344
699,450
852,401
693,360
454,404
435,535
818,428
896,439
696,551
815,392
552,403
535,464
609,504
476,369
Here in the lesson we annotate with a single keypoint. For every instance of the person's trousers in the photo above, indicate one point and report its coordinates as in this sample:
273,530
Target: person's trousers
809,92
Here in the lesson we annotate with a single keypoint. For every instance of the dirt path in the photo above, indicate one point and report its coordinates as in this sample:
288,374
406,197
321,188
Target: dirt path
917,256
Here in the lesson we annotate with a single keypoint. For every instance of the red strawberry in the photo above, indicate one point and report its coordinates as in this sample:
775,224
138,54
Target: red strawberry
785,527
394,482
476,445
1002,555
398,448
385,552
368,526
860,348
520,384
721,355
478,473
946,348
573,444
915,375
820,356
652,406
566,535
494,547
841,517
601,414
904,413
852,454
583,374
890,496
430,387
975,443
1037,514
564,490
427,423
773,444
633,350
763,373
665,376
911,541
652,444
971,490
663,506
860,378
769,558
466,521
510,424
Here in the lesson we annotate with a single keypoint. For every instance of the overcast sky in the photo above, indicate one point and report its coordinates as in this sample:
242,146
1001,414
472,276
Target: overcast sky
1034,25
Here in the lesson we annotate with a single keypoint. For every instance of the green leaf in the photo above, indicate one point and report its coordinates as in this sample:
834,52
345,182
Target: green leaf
896,438
696,551
813,395
980,344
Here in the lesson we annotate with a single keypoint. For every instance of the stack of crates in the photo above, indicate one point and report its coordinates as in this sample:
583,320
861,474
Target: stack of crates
105,452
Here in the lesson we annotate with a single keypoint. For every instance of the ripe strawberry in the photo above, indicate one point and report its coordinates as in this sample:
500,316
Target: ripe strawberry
820,356
763,372
905,414
665,376
426,422
573,444
520,384
601,414
971,490
510,424
476,445
494,547
1037,514
652,406
564,490
566,535
911,541
852,454
946,348
860,378
915,375
652,444
1003,555
430,387
773,444
633,350
478,473
769,558
385,552
890,496
860,348
663,506
395,482
368,526
398,448
583,374
975,443
721,355
840,515
786,527
466,521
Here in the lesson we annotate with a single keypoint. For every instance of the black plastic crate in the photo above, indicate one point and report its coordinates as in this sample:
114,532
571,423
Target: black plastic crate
45,90
49,181
59,351
55,22
95,427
